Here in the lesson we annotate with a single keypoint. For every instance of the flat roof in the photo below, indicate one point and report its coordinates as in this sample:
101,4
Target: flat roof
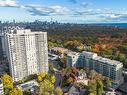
89,54
106,60
23,32
60,48
28,85
73,53
94,56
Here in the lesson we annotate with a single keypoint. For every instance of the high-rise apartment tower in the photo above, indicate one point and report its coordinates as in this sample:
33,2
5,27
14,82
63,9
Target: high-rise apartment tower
27,52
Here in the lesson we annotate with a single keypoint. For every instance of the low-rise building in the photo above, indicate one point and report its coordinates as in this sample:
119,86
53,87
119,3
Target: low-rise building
74,91
59,51
110,93
31,85
72,58
105,66
82,78
109,68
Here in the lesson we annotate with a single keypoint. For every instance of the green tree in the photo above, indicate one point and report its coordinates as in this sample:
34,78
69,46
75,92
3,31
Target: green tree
100,87
50,44
92,94
122,57
51,69
107,82
92,74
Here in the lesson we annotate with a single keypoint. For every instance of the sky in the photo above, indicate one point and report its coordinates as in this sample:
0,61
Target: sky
73,11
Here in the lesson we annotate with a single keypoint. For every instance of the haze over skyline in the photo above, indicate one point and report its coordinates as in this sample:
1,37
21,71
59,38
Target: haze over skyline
77,11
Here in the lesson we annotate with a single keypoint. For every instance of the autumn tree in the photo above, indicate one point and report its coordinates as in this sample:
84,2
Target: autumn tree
70,80
92,85
46,87
7,83
58,91
41,76
16,91
92,94
46,82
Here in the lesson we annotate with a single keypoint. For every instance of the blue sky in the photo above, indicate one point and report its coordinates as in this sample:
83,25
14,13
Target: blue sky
77,11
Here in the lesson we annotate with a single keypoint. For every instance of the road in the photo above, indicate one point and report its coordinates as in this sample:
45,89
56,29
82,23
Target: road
54,57
56,69
58,79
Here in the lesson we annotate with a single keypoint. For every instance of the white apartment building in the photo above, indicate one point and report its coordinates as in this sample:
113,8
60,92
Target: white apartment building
72,58
1,88
26,51
104,66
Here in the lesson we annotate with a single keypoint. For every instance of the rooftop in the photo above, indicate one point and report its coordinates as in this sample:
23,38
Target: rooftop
60,49
89,54
28,85
106,60
73,53
23,31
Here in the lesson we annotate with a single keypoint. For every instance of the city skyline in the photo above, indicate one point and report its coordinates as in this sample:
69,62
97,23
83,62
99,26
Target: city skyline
77,11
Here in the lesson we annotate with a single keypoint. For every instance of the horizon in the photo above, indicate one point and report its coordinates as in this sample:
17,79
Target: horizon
66,11
14,21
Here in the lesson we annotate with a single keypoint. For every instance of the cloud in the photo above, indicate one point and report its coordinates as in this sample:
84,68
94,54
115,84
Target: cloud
115,16
87,12
105,14
38,10
59,10
110,14
81,12
85,4
8,3
46,11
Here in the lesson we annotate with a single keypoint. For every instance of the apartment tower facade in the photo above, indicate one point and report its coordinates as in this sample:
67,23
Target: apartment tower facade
27,52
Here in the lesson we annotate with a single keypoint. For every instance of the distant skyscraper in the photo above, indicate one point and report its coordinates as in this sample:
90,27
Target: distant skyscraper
27,52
